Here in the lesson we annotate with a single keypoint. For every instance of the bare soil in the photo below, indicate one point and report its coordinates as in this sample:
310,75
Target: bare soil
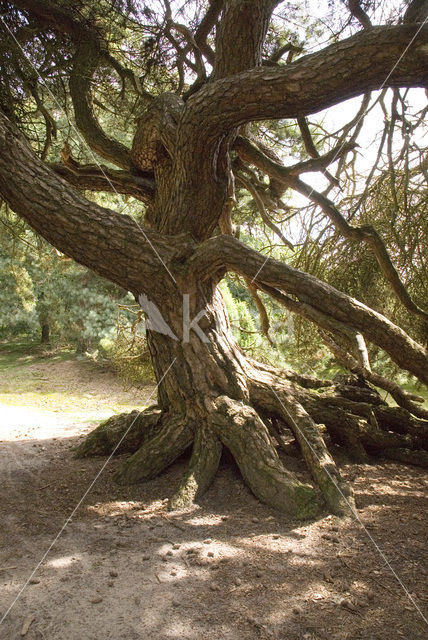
124,568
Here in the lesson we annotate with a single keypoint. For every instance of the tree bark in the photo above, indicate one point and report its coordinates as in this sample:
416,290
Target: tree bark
45,337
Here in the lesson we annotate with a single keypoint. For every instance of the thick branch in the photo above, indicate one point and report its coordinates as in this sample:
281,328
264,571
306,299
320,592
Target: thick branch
322,320
50,14
229,253
366,61
417,11
90,50
102,178
240,35
358,12
113,245
205,26
86,61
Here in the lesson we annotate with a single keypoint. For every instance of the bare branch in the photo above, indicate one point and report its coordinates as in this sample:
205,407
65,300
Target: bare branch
250,152
366,234
264,318
126,73
358,12
50,124
310,146
276,56
262,211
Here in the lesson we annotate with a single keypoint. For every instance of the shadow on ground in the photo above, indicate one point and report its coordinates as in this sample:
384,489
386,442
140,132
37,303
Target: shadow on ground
231,568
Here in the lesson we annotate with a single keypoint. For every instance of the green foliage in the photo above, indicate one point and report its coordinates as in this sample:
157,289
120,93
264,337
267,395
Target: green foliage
127,350
240,317
39,285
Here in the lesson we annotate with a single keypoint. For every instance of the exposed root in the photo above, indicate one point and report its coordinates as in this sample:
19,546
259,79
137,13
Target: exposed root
404,399
350,411
408,456
353,413
171,439
126,431
375,430
400,421
336,493
243,432
202,468
345,430
280,402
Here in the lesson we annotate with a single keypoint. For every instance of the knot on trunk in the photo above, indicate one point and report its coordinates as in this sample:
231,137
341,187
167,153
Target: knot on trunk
155,137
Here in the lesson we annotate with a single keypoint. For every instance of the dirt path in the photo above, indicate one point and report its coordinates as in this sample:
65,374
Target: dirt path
231,569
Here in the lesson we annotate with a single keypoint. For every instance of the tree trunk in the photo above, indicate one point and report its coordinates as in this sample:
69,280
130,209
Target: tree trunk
45,337
82,346
204,393
209,393
212,395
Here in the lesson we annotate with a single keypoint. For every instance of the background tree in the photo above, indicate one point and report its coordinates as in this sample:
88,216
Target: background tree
46,296
207,84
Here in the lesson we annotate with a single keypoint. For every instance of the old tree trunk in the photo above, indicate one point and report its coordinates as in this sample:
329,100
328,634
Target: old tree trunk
210,394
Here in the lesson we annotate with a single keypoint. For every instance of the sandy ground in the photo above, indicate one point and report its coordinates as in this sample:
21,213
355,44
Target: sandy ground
230,569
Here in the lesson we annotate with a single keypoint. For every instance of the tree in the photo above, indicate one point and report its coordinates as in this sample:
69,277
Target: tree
46,296
203,85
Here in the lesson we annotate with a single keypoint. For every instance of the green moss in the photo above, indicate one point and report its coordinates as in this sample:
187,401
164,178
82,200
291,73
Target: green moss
306,502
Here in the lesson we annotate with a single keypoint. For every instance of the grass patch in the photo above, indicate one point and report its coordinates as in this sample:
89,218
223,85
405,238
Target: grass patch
17,354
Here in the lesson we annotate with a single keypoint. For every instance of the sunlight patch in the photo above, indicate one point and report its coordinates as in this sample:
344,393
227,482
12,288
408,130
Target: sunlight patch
62,562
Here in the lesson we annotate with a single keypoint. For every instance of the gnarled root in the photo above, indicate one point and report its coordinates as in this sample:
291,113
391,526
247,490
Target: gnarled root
123,433
202,468
376,429
408,456
172,438
352,413
280,402
242,431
